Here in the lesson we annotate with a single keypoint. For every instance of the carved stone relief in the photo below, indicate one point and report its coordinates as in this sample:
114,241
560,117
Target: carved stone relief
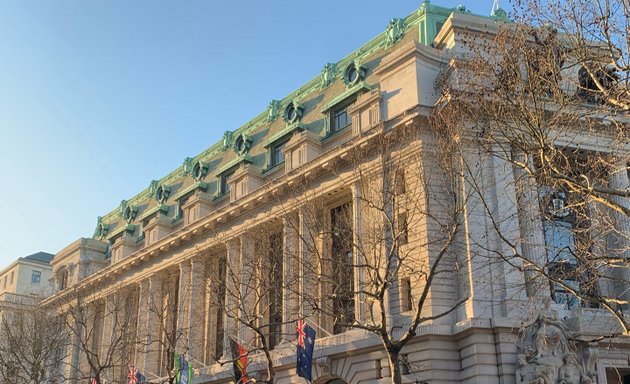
546,354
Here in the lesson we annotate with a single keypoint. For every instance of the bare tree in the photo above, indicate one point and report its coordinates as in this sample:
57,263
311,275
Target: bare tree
250,287
102,331
165,332
378,246
32,344
548,96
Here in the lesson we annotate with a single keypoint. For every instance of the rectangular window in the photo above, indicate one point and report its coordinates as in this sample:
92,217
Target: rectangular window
36,277
340,119
275,275
406,297
277,154
224,188
403,228
342,267
400,187
11,278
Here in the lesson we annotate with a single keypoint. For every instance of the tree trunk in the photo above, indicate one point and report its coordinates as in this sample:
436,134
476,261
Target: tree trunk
394,365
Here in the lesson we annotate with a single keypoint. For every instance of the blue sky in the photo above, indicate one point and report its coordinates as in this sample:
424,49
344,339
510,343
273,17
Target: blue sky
99,97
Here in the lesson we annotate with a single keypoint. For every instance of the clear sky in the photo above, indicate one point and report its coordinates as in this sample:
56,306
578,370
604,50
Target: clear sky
99,97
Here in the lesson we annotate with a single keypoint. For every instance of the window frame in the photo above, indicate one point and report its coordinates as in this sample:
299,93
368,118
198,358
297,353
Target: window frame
39,277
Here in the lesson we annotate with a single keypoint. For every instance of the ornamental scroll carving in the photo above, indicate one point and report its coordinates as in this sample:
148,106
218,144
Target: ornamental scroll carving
547,355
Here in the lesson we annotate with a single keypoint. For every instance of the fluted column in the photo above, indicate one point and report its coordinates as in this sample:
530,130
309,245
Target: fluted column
620,240
151,322
231,288
196,309
141,328
290,271
357,249
183,306
109,322
532,233
248,288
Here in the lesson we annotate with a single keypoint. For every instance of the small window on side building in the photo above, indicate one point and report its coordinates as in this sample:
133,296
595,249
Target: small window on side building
36,277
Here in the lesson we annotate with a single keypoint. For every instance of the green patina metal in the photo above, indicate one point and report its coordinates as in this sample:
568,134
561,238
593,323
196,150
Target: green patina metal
293,112
283,134
362,86
199,170
162,193
101,228
395,31
130,213
432,18
354,73
242,144
234,163
228,137
187,166
273,110
328,74
425,19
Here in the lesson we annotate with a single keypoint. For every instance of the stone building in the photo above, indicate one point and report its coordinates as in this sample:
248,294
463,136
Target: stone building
26,280
332,205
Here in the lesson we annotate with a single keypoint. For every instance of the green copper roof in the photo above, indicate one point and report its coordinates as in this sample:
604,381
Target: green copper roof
268,124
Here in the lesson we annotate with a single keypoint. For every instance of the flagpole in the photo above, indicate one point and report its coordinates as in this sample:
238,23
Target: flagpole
321,329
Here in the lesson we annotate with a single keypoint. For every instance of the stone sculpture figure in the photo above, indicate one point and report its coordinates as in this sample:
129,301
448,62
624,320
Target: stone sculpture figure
546,355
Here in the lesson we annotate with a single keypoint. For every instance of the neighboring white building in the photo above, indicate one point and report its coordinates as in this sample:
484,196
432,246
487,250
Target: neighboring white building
26,280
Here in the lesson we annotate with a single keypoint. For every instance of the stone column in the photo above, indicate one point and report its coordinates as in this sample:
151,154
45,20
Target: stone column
109,323
151,322
183,306
620,241
532,233
141,328
71,361
231,307
248,288
358,257
290,276
196,310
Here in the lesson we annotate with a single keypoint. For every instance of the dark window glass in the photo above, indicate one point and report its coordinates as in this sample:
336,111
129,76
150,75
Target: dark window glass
225,186
36,277
340,119
343,267
275,291
277,155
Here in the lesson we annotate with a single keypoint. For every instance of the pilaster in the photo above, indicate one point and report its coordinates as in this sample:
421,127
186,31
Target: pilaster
196,319
183,306
290,303
532,234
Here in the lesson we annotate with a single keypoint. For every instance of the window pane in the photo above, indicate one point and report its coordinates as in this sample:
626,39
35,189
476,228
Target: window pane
560,242
278,154
340,119
36,277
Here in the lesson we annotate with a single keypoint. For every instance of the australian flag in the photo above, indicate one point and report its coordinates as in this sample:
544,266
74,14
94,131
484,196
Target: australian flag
305,346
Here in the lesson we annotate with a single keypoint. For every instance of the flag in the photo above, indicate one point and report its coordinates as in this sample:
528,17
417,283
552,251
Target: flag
305,346
132,375
239,354
135,377
93,380
183,368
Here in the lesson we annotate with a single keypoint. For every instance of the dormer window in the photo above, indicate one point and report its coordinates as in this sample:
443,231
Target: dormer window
340,119
277,154
224,186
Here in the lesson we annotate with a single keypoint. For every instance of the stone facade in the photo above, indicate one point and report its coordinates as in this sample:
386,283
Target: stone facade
26,280
285,181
